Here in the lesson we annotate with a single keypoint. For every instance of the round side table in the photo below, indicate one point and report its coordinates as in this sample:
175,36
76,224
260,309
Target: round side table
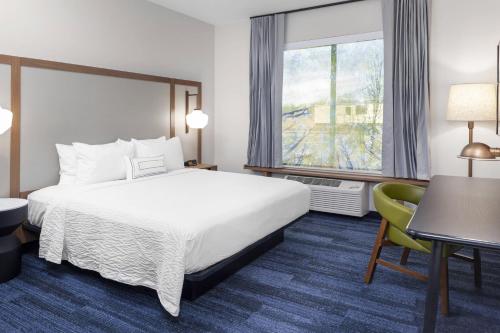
12,213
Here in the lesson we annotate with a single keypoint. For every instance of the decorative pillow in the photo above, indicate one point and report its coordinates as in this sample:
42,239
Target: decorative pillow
67,164
171,149
145,166
100,163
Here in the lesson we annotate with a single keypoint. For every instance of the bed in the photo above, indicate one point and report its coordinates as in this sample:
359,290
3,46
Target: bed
178,233
158,230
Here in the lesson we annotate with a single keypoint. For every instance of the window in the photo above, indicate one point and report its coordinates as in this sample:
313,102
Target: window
333,103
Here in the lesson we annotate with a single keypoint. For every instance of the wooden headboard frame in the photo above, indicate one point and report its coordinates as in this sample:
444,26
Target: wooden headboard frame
16,63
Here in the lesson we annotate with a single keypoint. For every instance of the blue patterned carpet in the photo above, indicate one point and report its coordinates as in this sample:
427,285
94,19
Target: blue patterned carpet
313,282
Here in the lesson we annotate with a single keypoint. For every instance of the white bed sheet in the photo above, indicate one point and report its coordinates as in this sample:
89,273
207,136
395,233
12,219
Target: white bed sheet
39,200
152,231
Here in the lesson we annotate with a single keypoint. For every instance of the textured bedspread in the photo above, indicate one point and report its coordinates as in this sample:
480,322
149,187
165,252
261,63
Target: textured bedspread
152,231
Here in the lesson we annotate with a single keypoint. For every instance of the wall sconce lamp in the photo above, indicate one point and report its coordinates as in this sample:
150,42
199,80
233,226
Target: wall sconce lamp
197,119
187,95
5,120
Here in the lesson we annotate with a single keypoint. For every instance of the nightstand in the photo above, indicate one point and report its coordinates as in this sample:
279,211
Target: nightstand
12,213
212,167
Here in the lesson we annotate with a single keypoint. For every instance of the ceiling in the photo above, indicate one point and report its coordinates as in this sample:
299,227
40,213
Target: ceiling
220,12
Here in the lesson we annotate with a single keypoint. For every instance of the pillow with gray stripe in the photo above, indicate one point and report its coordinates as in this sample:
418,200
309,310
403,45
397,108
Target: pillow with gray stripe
145,166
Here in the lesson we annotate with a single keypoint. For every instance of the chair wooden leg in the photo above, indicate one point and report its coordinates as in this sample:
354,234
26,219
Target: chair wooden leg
377,248
404,256
477,268
444,292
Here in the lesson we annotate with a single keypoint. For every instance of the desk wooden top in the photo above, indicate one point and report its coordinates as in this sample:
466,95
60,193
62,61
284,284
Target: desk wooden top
459,210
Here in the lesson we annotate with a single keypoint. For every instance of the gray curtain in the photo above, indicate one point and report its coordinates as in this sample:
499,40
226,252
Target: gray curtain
405,143
266,81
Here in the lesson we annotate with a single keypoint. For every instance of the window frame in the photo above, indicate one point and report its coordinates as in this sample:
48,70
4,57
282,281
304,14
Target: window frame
305,44
360,37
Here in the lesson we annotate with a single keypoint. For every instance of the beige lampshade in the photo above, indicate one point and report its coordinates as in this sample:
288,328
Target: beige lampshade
472,102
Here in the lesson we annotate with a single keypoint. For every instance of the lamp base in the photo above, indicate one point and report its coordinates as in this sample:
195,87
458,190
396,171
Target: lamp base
470,125
479,151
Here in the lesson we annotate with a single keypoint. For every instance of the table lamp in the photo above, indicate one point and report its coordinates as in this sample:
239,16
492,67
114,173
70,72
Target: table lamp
473,102
5,120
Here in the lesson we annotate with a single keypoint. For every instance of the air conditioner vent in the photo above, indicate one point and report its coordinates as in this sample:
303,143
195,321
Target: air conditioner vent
316,181
336,196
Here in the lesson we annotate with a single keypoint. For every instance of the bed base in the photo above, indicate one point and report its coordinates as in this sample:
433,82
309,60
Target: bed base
196,284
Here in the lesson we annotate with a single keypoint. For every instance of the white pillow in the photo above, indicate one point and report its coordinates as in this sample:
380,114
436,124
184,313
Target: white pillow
67,164
161,138
147,142
128,145
144,166
171,149
100,163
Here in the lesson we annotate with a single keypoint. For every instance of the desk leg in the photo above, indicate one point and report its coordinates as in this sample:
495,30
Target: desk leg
477,268
432,298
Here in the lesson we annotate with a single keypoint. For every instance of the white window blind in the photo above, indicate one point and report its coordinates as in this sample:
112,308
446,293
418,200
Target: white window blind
347,19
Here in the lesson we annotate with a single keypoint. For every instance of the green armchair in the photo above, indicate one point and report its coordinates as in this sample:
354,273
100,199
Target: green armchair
389,199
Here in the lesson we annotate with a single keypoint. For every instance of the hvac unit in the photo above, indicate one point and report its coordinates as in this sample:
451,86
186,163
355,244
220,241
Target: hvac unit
336,196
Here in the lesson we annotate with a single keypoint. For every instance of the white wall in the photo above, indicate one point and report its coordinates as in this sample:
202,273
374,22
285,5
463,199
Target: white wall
232,47
464,35
131,35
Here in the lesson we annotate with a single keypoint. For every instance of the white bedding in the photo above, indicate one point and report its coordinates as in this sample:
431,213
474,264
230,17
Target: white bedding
38,201
152,231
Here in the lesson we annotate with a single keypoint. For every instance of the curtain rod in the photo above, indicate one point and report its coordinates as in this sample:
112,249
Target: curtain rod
309,8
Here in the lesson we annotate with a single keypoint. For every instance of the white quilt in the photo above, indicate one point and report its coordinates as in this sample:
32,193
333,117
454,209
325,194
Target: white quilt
152,231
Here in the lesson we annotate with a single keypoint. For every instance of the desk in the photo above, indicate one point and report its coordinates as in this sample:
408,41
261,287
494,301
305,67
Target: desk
457,210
